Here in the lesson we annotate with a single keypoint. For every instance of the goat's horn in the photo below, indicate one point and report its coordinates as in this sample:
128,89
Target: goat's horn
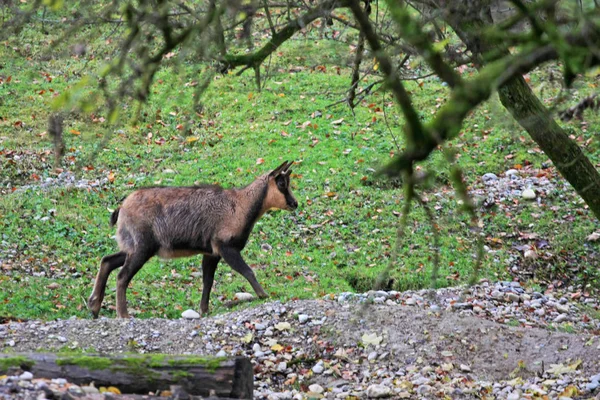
278,170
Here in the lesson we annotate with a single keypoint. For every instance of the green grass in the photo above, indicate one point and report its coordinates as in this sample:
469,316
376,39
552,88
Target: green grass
343,233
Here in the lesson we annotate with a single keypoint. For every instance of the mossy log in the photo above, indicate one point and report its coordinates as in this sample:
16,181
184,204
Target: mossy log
203,376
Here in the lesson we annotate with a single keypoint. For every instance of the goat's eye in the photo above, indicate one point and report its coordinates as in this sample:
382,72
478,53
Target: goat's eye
281,184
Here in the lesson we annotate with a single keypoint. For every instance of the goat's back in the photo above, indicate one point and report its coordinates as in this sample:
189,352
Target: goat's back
173,221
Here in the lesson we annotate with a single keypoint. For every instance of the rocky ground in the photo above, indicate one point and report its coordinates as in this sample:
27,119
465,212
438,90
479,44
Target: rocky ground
490,341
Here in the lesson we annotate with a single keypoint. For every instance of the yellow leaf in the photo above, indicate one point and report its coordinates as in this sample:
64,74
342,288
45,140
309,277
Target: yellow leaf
113,389
74,132
247,338
250,95
191,139
281,95
277,347
570,391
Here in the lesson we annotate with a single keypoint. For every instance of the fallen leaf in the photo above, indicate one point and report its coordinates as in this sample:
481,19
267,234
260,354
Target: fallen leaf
283,326
277,347
248,338
337,121
260,161
371,338
593,237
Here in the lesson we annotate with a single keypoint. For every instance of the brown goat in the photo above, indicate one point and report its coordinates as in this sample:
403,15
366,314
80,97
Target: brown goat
176,222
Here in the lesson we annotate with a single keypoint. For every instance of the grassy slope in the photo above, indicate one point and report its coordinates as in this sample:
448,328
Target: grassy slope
340,238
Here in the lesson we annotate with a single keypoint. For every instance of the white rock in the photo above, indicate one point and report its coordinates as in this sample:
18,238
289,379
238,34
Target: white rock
562,308
26,376
511,172
410,301
378,391
315,388
528,194
489,177
243,296
561,318
318,368
256,347
221,353
372,356
530,255
465,368
282,366
190,314
302,318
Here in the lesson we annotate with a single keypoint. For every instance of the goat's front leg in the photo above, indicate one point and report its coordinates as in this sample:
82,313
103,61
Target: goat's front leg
209,266
233,257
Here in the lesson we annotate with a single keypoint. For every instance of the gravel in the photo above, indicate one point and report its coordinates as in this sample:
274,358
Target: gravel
452,342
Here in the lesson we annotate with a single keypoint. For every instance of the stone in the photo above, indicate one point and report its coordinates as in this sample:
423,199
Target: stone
190,314
410,301
530,255
489,178
511,172
318,368
562,308
372,356
26,376
303,318
221,353
316,388
561,318
243,296
513,298
378,391
528,194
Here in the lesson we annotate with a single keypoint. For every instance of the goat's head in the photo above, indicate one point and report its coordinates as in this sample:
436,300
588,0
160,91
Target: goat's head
279,193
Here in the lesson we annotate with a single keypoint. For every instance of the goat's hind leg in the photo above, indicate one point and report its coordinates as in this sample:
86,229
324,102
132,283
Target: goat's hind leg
107,265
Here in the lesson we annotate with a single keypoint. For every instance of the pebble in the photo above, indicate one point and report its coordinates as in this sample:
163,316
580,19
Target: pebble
318,368
316,388
489,178
26,376
528,194
243,296
190,314
378,391
562,308
221,353
410,301
372,356
561,318
303,318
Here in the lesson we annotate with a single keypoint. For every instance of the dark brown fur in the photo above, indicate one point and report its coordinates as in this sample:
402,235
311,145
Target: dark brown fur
176,222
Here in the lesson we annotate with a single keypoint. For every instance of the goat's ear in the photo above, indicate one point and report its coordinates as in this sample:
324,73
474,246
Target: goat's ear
279,169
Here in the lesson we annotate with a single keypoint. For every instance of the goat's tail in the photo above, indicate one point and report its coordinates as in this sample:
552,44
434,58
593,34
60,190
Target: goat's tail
114,216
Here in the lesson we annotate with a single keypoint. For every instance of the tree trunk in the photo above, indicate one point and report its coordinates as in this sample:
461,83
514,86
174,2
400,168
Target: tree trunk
231,378
574,166
518,98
